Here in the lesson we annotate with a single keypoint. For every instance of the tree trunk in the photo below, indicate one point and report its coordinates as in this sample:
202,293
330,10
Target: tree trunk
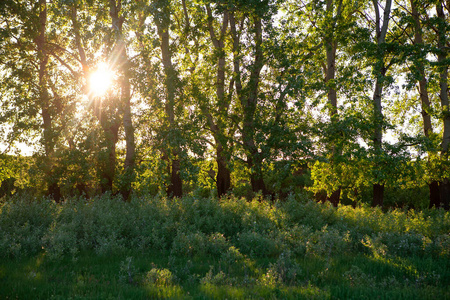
130,144
424,97
223,177
378,195
321,196
420,69
330,44
256,177
248,101
380,71
53,189
335,197
378,113
445,193
108,161
120,52
435,197
331,47
175,188
378,189
258,185
443,94
109,125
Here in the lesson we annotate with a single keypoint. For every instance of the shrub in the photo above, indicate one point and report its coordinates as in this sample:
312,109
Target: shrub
23,224
128,271
375,245
234,262
308,212
296,238
61,239
159,277
328,241
443,245
220,278
216,244
209,227
285,270
258,245
189,244
407,244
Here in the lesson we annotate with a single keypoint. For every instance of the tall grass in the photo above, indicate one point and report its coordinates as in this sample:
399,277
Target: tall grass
229,248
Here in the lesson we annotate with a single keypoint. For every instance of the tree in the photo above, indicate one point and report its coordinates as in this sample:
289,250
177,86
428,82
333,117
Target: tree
331,44
113,109
418,70
442,66
105,110
44,100
336,81
30,79
270,86
162,11
247,92
217,121
123,65
379,70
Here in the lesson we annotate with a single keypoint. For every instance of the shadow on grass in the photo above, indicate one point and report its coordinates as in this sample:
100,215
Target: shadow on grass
158,275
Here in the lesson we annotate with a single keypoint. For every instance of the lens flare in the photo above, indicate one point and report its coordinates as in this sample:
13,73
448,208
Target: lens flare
100,80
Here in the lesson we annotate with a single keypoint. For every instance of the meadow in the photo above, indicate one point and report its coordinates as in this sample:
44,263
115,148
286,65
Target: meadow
203,248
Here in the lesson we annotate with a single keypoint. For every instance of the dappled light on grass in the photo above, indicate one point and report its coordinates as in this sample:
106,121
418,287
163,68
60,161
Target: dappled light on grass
165,292
221,292
261,291
203,248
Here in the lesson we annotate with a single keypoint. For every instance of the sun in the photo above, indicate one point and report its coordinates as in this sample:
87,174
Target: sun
100,80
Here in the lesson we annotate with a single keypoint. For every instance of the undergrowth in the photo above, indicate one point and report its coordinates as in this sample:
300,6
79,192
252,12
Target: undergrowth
232,248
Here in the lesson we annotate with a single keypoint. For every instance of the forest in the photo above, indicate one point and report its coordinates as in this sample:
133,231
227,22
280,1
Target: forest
224,149
346,100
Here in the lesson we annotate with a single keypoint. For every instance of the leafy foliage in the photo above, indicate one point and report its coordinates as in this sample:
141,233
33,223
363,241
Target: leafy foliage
197,227
162,248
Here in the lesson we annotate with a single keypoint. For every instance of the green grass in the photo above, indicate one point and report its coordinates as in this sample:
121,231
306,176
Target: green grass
129,276
233,249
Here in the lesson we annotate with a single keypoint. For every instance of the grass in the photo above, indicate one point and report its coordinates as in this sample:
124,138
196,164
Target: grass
130,276
233,249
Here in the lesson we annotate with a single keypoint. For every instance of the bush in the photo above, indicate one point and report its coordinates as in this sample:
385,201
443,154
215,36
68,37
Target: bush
23,224
189,244
328,241
285,270
258,245
190,226
159,277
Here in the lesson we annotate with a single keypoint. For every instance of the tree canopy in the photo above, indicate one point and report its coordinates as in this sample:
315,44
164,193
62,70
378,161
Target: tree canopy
342,98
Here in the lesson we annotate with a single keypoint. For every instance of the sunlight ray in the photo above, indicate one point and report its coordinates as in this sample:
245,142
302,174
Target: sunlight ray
100,80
